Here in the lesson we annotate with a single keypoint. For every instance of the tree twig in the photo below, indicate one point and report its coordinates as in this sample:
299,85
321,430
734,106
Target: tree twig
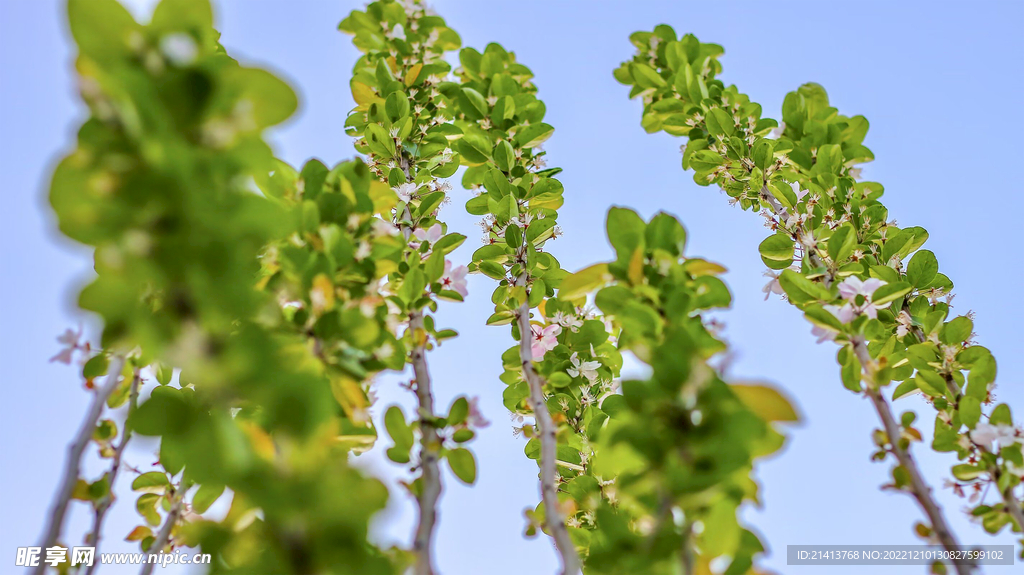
164,535
72,466
430,443
686,553
553,516
918,487
430,491
115,467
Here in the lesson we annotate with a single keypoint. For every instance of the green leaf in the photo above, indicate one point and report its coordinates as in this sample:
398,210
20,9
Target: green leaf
922,268
429,203
398,429
472,104
413,285
151,482
970,411
1001,415
146,506
908,386
101,28
646,77
448,243
379,141
799,289
720,122
851,372
967,472
95,367
463,465
205,496
504,156
777,251
956,331
842,243
722,530
664,232
931,383
890,292
625,230
533,135
459,411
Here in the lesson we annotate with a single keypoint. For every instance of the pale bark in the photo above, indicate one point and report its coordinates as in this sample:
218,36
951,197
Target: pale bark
553,516
72,466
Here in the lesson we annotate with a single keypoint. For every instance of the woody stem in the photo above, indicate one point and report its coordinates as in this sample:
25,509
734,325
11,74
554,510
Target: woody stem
918,487
553,516
72,466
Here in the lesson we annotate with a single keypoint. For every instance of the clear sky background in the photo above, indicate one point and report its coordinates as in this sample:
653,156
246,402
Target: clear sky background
941,83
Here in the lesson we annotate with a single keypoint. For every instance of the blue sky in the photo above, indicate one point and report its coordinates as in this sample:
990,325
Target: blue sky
941,83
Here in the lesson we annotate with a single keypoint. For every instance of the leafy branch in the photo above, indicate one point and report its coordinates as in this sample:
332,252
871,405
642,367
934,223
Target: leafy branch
838,259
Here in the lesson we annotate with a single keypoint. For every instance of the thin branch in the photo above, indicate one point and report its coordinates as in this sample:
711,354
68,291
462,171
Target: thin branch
553,516
686,553
918,487
72,466
430,443
164,536
430,491
1012,505
115,467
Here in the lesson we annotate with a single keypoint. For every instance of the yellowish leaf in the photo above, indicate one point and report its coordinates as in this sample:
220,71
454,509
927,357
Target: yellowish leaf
765,401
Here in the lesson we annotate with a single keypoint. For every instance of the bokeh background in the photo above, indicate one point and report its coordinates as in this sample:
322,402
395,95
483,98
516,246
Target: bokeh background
941,83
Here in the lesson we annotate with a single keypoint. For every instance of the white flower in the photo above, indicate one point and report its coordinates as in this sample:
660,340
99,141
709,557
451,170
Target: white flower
570,321
398,32
773,286
985,434
406,191
454,279
853,287
587,369
383,228
180,49
363,251
385,350
796,190
430,235
905,323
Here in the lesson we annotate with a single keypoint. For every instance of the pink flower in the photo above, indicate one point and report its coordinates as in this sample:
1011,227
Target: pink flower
430,235
476,417
70,340
454,279
545,338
